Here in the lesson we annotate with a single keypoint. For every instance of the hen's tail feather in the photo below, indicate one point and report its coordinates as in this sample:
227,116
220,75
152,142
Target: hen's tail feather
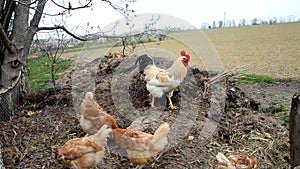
161,132
144,61
89,96
101,136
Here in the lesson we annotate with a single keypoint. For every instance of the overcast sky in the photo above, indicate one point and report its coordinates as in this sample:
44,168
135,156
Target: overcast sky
193,11
200,11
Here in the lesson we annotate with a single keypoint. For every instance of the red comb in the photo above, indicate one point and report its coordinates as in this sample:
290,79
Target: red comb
182,53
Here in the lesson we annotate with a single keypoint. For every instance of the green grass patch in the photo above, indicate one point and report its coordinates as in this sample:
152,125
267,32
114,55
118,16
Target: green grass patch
39,71
278,112
254,79
274,109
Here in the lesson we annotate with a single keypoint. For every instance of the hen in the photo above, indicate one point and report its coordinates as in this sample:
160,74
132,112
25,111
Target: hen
141,147
236,161
163,81
85,152
93,117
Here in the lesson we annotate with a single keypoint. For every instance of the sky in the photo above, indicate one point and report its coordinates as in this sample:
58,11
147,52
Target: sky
200,11
194,12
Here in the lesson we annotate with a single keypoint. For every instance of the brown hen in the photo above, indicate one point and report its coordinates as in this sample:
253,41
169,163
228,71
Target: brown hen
93,117
141,147
85,152
236,160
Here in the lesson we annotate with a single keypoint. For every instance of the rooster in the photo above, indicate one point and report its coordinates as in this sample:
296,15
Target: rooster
163,81
85,152
141,147
93,117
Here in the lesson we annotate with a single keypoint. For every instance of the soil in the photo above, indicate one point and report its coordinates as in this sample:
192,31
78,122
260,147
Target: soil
211,118
275,98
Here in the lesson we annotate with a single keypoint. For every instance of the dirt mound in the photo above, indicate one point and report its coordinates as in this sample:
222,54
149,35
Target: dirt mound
211,118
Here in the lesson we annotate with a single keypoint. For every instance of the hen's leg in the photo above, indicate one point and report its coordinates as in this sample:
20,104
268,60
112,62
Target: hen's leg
171,104
152,101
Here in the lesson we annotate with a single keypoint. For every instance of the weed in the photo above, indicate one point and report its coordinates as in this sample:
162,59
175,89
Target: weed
272,110
39,71
254,79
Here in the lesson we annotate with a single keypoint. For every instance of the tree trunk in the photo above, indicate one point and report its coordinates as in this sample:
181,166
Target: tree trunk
12,67
295,131
11,75
14,55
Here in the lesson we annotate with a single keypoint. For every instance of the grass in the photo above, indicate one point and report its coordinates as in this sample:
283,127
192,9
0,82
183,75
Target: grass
39,71
254,79
274,109
279,112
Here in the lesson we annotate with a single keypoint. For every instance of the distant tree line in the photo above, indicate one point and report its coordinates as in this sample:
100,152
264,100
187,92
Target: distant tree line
244,22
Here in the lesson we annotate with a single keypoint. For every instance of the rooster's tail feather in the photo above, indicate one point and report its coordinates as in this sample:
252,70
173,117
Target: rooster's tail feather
144,61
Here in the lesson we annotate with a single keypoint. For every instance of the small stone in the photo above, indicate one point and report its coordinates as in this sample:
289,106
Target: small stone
191,138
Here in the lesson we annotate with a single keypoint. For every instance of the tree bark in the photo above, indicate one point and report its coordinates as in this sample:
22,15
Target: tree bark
295,131
33,28
12,63
15,50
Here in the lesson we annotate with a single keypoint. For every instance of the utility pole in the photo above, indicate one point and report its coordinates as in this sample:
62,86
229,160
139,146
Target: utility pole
224,22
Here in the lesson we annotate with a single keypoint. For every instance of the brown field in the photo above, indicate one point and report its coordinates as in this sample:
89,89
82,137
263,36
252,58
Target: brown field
272,50
266,49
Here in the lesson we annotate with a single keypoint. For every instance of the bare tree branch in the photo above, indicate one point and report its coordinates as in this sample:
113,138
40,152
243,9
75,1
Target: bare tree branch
33,27
64,29
9,8
37,15
69,7
2,2
28,5
33,2
3,38
35,8
94,36
88,4
5,41
122,10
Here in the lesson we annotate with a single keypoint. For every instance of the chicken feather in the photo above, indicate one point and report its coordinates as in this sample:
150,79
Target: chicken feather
93,116
163,81
163,77
141,147
85,152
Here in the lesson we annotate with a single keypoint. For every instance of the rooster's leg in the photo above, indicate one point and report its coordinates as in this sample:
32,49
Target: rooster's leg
152,101
171,104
